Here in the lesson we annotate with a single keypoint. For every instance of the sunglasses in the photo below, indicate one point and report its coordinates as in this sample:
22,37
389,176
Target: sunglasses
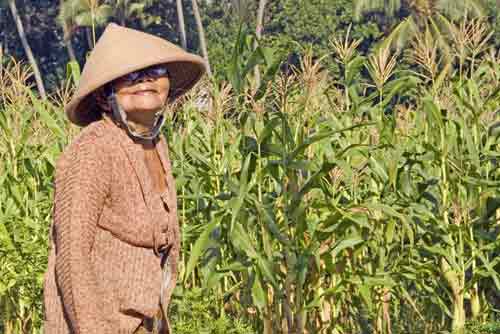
154,72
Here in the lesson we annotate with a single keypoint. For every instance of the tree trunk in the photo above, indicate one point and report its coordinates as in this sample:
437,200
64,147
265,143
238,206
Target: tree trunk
182,26
67,38
123,15
5,46
258,34
201,35
27,49
71,51
88,34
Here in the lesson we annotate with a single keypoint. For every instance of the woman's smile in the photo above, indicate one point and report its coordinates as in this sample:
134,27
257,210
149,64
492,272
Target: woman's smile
145,88
141,100
145,92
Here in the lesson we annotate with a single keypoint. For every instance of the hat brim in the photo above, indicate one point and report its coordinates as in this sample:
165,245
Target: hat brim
183,76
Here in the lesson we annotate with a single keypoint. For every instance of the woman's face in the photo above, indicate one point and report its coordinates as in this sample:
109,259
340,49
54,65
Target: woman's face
146,95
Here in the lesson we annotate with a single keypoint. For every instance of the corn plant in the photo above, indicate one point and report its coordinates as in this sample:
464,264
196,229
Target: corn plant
360,202
317,219
31,136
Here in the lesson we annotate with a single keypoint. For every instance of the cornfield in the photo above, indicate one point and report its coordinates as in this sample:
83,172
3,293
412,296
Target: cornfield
361,199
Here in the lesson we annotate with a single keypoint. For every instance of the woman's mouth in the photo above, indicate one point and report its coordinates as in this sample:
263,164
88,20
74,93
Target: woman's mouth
145,92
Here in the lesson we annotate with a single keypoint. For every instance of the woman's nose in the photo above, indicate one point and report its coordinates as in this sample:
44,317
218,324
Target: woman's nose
145,77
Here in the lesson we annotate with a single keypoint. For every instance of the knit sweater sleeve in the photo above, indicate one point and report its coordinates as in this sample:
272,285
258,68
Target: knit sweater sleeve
82,184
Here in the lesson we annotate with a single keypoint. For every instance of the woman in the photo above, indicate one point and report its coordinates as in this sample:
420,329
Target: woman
115,236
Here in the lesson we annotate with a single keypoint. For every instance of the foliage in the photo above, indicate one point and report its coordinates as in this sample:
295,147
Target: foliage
44,37
195,311
478,328
293,24
326,199
30,139
364,200
289,26
221,27
494,9
422,8
78,13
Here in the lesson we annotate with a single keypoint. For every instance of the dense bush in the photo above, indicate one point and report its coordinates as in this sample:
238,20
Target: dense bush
196,311
487,328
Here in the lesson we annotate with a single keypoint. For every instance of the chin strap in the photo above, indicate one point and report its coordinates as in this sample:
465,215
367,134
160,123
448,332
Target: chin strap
121,117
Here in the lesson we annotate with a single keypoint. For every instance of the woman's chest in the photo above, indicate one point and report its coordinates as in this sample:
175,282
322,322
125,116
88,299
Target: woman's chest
155,170
140,208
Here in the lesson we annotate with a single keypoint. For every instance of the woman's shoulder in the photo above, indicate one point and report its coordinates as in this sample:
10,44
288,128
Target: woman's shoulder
94,132
93,141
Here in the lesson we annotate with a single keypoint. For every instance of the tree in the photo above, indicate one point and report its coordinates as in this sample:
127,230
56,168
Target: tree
201,35
182,26
260,18
420,9
419,16
93,13
242,9
88,14
258,34
27,48
67,33
123,10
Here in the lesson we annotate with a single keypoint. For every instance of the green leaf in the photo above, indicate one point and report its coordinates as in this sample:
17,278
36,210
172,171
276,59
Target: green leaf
241,240
389,232
136,8
321,136
266,270
344,244
103,14
73,72
84,19
433,112
199,247
258,294
270,223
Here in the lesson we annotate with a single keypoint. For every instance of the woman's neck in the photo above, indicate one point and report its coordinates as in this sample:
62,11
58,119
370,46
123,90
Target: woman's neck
140,127
142,123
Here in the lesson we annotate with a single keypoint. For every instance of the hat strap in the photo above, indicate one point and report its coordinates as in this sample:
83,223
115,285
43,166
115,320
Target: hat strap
120,116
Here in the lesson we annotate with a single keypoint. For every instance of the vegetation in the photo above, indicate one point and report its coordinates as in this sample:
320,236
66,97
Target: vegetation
196,311
488,328
354,190
61,30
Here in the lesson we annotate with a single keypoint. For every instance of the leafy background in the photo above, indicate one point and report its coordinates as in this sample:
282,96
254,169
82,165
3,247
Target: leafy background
350,187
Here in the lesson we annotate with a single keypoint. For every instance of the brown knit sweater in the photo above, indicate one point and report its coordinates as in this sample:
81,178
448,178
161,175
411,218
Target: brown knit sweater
109,222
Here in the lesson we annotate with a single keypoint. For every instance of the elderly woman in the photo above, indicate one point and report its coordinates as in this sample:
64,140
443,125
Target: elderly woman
115,236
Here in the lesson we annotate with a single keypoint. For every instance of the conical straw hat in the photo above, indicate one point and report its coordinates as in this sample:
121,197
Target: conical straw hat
122,50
